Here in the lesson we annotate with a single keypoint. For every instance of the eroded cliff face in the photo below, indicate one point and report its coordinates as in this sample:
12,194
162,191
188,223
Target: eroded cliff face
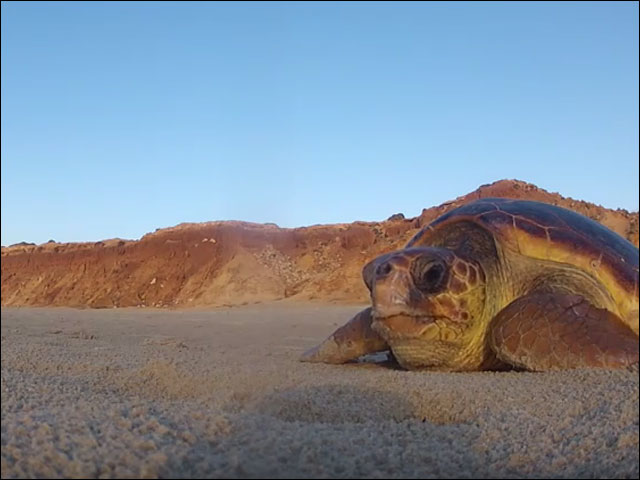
232,263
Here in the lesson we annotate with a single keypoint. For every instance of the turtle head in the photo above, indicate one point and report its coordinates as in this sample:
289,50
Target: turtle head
428,305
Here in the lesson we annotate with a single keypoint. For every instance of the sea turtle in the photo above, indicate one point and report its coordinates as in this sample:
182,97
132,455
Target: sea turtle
497,284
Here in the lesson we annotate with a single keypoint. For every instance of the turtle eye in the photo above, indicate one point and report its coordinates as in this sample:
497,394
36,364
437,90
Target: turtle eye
428,275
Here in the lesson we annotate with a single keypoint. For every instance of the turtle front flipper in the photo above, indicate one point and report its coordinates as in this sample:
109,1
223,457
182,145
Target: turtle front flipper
349,342
552,331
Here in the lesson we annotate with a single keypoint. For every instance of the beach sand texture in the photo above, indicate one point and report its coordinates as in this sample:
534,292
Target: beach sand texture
220,393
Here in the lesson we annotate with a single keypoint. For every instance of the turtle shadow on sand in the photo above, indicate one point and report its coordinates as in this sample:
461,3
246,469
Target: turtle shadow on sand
340,430
335,404
332,431
339,403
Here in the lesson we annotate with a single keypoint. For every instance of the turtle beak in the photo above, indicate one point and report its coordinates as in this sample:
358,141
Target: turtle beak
390,286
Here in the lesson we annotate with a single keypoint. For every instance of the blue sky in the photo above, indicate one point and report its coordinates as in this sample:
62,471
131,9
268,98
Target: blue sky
120,118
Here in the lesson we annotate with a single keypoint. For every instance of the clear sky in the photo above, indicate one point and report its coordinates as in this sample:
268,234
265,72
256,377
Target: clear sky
120,118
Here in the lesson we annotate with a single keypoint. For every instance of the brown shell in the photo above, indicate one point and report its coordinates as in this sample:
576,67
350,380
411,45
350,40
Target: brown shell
544,231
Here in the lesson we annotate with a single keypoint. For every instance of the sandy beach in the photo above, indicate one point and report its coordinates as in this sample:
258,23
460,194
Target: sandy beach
219,393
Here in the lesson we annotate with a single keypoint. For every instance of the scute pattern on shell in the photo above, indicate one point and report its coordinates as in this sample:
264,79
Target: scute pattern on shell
564,230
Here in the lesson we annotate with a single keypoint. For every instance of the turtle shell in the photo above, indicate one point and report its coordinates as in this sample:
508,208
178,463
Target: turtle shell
543,231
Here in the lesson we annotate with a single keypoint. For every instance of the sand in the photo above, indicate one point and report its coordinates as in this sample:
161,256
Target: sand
220,393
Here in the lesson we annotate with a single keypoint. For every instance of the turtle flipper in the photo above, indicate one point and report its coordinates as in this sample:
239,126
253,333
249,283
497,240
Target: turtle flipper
551,331
350,341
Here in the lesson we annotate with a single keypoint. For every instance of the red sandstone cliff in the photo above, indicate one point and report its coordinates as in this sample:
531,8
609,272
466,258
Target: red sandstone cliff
231,263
